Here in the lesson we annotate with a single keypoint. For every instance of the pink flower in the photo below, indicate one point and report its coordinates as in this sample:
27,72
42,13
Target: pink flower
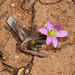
52,32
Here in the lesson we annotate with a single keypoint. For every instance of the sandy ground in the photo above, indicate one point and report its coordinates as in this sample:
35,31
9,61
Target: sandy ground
33,14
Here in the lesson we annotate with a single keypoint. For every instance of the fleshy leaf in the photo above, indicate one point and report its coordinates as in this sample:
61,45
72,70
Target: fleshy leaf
62,33
43,31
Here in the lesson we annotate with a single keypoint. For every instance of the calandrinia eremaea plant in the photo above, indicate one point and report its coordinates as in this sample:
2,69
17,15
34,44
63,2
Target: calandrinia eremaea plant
52,32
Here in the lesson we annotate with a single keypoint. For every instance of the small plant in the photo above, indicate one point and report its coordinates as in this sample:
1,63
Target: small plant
52,32
30,45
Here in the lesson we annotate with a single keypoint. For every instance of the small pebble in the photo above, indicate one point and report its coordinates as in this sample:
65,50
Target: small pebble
51,55
23,26
19,14
12,4
26,71
20,71
69,0
0,72
11,35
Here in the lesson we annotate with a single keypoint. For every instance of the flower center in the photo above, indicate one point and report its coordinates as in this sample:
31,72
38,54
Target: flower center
52,33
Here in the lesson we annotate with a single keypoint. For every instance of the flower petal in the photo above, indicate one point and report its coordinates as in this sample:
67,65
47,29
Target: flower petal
57,27
43,31
55,42
48,40
49,25
62,33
